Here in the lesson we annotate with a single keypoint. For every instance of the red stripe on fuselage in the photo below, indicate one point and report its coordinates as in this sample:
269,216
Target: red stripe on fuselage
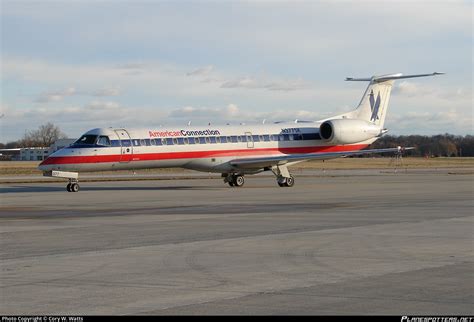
249,152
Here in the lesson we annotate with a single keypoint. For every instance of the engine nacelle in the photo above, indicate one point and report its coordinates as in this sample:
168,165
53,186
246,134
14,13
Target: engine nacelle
348,131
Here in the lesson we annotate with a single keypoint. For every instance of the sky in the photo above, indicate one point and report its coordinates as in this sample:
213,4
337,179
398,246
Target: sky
88,64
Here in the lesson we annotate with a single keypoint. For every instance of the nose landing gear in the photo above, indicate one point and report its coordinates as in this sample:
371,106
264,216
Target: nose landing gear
73,177
72,187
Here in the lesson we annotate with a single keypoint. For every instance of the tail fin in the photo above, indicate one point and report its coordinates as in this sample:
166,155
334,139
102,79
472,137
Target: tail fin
373,105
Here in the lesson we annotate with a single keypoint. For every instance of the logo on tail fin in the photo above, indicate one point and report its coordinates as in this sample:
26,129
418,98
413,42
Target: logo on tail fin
374,106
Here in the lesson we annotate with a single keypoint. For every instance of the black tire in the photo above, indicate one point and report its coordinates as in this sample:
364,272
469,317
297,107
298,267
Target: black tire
74,187
68,187
238,181
281,181
290,182
230,183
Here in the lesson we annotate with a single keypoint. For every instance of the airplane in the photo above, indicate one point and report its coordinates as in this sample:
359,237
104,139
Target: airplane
233,151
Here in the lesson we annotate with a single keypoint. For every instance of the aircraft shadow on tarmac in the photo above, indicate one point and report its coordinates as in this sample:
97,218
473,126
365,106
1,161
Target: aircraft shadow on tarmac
24,189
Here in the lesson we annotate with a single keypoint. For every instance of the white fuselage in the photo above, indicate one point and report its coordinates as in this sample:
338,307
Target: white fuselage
207,149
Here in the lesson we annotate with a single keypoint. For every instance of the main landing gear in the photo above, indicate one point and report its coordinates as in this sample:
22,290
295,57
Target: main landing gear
286,182
284,178
234,180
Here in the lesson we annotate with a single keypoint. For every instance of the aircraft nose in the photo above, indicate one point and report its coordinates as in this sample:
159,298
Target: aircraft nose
43,167
46,165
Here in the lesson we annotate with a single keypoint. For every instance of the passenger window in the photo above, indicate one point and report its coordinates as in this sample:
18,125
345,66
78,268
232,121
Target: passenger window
234,139
255,138
126,143
169,141
229,139
136,142
218,139
260,137
223,139
197,141
266,137
212,139
202,140
239,138
185,140
274,137
286,137
180,141
208,140
147,142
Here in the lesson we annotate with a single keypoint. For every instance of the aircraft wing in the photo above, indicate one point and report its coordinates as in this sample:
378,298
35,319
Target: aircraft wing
261,162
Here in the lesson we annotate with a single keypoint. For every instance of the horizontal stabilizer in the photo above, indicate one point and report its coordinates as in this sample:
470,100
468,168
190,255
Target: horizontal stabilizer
384,78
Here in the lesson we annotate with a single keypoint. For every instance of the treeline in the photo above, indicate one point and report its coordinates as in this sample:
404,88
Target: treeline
441,145
44,136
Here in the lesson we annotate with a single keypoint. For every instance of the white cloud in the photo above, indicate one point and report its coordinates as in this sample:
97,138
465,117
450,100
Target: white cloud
98,105
107,92
272,85
201,71
233,114
56,96
412,89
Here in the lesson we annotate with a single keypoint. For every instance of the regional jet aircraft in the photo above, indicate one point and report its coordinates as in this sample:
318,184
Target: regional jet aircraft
233,151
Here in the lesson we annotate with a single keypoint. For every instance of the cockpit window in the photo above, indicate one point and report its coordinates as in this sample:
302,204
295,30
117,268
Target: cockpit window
86,139
103,140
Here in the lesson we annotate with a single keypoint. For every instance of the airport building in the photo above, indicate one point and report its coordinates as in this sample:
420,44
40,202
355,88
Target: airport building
40,153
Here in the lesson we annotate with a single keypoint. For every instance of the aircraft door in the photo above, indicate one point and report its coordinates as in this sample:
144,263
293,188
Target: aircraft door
126,152
250,144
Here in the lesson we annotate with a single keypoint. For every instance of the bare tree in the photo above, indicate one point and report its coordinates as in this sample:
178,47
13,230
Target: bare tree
44,136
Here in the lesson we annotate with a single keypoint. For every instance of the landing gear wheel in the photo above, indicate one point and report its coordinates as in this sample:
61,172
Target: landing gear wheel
74,187
281,182
286,182
238,181
68,187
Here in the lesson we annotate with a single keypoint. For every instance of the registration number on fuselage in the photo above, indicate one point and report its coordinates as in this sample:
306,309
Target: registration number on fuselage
290,130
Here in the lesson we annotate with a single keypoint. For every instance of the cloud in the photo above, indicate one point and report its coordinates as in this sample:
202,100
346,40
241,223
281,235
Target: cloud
106,92
201,71
431,122
233,114
271,85
190,112
97,105
412,89
56,96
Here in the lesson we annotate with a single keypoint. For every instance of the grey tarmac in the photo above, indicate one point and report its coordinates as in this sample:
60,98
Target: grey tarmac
372,242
